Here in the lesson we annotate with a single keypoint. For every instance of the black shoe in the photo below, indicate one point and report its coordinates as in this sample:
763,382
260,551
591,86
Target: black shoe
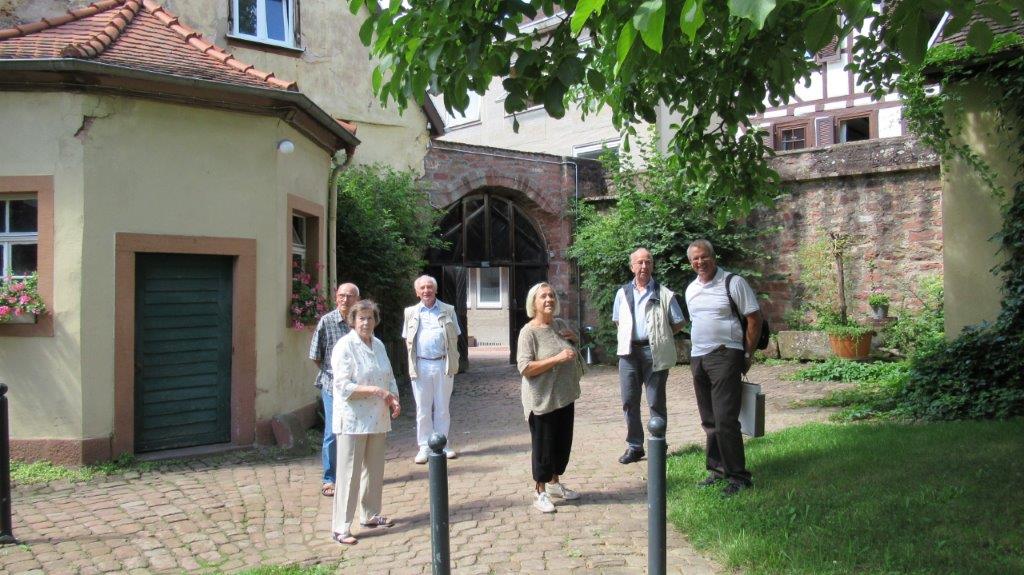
734,488
632,455
709,481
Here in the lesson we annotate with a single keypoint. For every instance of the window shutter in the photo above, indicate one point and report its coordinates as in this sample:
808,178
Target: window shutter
825,131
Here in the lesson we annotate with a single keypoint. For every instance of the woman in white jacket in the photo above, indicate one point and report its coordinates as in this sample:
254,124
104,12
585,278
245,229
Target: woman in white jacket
365,402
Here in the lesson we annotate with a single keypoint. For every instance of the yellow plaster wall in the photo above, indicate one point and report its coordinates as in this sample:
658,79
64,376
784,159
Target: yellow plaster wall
44,374
157,168
971,215
333,70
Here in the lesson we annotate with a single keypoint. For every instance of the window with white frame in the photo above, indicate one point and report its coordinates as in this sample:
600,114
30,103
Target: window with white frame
267,21
488,287
299,234
19,235
596,150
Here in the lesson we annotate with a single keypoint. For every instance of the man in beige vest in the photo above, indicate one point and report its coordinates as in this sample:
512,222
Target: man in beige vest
647,315
431,332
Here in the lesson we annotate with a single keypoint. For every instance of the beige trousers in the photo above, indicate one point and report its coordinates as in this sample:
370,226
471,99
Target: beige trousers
359,457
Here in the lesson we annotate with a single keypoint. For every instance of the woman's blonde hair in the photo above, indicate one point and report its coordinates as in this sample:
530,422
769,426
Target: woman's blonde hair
531,296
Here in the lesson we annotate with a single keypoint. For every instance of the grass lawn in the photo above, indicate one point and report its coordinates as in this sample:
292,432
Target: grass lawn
865,498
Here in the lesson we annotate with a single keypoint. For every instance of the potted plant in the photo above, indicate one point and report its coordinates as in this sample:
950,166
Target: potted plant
19,300
308,302
879,303
849,339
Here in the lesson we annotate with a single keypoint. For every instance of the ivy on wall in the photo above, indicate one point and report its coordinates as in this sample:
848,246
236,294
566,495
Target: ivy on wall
980,374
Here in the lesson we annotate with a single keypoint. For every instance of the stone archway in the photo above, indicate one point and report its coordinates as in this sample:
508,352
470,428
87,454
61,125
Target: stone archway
489,229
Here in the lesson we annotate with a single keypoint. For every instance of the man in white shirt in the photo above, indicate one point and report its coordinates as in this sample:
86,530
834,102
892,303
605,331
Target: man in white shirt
647,315
431,332
721,354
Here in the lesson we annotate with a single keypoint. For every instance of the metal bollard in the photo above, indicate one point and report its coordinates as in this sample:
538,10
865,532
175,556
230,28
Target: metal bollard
437,462
6,522
656,451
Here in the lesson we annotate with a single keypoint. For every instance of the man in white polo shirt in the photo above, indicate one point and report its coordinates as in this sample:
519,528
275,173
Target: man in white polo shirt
721,354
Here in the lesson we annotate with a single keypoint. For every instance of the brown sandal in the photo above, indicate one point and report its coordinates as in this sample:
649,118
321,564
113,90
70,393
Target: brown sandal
345,539
327,490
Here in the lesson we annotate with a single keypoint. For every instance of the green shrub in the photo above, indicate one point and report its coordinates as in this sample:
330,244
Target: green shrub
923,327
878,300
853,371
650,212
385,225
876,395
979,375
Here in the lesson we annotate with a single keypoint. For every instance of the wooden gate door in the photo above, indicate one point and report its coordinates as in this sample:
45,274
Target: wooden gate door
182,351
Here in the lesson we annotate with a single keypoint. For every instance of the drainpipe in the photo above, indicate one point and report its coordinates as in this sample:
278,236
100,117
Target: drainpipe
332,223
576,195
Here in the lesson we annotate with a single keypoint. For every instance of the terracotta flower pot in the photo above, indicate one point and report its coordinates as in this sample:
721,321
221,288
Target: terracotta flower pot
851,347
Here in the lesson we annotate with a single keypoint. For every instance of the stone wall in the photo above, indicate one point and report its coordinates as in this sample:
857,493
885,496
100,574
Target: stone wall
885,194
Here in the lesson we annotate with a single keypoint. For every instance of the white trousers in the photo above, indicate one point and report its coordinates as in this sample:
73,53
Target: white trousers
360,478
432,390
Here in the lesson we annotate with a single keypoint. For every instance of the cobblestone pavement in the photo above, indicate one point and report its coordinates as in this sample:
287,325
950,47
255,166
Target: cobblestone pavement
234,512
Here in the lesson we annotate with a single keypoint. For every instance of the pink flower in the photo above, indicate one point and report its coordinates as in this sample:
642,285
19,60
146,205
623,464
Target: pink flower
17,311
298,325
24,299
4,310
17,287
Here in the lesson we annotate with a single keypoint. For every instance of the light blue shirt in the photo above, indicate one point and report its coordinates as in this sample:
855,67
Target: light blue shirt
430,335
640,299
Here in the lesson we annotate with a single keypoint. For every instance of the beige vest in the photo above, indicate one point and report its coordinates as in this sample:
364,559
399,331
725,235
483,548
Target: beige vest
451,339
659,330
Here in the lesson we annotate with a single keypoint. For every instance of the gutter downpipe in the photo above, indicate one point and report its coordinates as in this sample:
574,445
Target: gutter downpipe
332,222
576,196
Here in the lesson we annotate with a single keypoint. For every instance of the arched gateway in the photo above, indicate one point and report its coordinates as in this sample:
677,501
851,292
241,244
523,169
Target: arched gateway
507,217
484,230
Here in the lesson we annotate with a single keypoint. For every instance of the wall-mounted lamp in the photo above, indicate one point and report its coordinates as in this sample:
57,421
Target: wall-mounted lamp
286,146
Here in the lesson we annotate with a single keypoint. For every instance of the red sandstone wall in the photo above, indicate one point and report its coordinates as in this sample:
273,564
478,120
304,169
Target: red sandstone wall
886,194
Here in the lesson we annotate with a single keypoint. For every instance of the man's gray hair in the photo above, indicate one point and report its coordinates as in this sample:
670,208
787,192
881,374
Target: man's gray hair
354,286
702,244
638,250
425,278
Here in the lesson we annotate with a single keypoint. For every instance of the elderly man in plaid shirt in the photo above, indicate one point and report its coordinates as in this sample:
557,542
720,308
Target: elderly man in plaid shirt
329,330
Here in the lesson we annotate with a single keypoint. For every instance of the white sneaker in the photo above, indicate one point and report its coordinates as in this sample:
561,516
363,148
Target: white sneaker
561,491
450,453
421,457
544,504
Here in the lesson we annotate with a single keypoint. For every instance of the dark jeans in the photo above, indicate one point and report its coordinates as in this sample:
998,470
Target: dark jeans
716,382
635,373
551,440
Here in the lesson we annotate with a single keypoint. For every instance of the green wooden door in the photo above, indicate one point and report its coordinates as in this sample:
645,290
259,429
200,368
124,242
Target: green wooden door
182,351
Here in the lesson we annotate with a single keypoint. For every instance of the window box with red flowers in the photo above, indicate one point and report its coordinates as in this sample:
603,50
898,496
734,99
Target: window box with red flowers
308,302
20,301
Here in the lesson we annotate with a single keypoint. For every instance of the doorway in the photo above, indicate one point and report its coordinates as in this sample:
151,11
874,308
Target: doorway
489,240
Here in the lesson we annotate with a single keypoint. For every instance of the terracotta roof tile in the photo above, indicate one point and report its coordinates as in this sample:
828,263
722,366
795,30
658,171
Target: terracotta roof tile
137,34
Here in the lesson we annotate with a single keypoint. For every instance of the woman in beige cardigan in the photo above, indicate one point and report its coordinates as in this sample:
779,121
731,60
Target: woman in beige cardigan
548,359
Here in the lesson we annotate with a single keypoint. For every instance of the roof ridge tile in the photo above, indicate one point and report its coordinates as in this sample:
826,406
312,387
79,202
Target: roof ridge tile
109,34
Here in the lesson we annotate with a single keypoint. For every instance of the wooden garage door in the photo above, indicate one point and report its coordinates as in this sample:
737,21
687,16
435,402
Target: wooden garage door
182,351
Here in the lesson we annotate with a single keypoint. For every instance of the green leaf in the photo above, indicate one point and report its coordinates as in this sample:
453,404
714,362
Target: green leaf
366,32
626,38
997,13
912,40
650,21
691,18
596,80
980,37
376,80
754,10
583,11
570,71
855,10
355,5
820,29
554,99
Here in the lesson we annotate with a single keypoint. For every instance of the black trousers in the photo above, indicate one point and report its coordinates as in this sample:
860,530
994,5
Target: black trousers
716,382
551,439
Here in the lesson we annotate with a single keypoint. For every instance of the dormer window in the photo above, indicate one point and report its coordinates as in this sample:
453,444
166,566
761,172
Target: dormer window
266,21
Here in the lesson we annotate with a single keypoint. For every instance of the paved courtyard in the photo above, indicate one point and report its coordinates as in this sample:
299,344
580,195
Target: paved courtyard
227,513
